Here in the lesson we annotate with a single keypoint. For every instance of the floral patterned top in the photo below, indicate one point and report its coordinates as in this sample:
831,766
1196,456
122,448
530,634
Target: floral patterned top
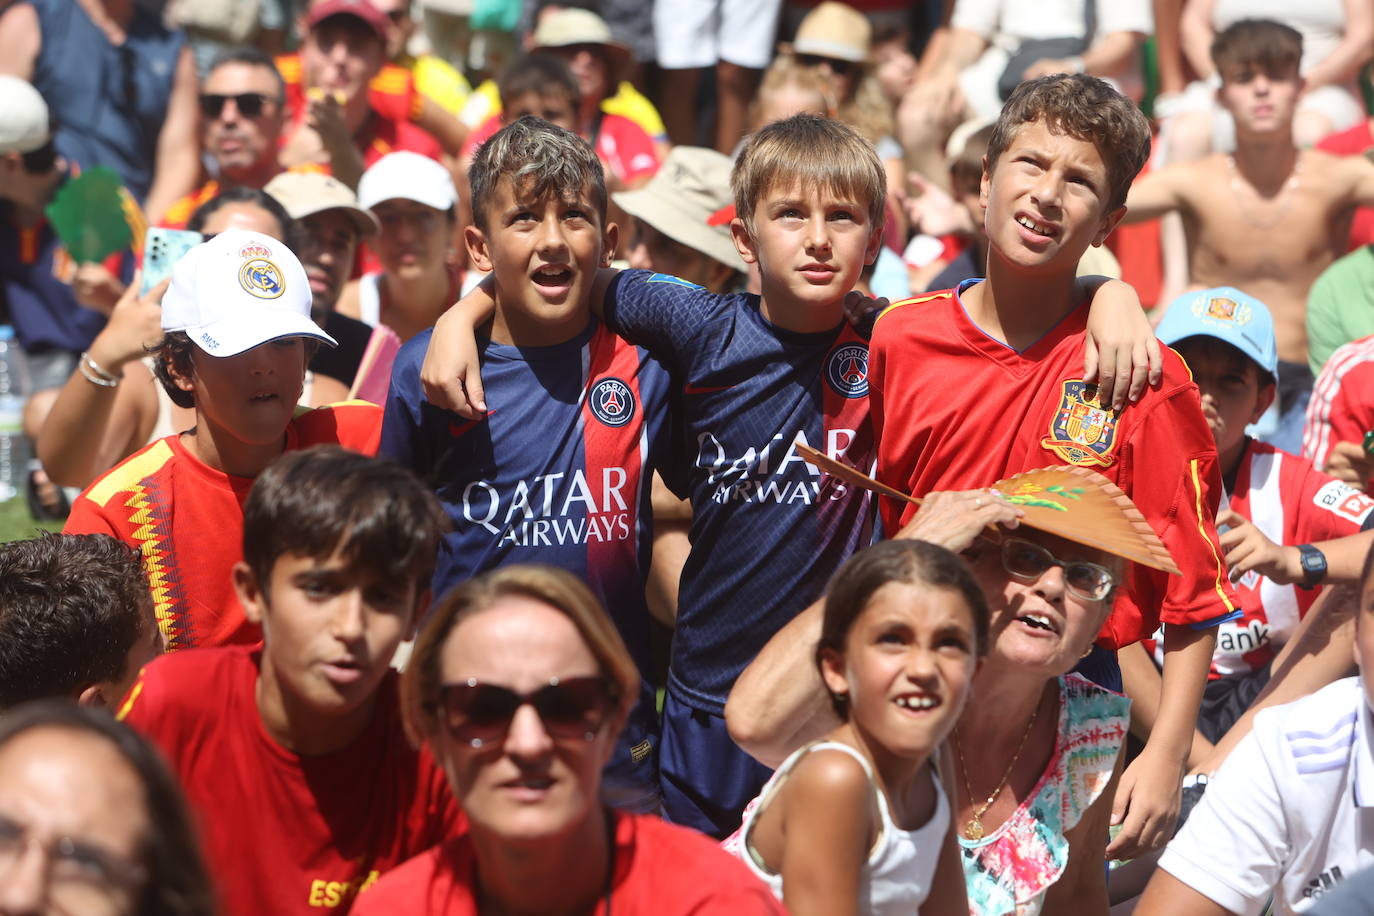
1009,870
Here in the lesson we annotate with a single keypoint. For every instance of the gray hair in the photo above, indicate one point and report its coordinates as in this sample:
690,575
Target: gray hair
539,158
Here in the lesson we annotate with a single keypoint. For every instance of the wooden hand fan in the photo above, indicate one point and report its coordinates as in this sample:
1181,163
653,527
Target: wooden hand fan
1074,503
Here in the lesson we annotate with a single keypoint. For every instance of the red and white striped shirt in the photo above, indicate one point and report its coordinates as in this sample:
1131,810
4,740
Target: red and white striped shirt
1342,405
1290,503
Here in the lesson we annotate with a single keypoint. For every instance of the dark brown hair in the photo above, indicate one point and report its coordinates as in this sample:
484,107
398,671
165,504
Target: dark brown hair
1270,47
914,562
1087,109
539,158
318,500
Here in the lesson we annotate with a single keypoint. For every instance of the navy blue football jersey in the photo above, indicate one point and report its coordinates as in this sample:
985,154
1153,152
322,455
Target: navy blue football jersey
767,534
557,472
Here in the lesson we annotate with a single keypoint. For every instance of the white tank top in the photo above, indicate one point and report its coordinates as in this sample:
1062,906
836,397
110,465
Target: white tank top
370,298
900,867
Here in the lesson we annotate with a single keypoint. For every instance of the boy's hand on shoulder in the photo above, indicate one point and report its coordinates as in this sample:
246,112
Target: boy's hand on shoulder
1248,549
451,375
862,310
1120,353
1146,805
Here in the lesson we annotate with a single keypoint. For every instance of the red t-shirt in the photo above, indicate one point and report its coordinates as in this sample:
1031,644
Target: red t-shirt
394,102
621,144
186,519
955,409
660,869
1353,142
1290,503
284,833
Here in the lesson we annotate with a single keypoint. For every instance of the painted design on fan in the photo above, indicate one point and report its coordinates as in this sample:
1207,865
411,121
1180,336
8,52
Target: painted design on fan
1028,494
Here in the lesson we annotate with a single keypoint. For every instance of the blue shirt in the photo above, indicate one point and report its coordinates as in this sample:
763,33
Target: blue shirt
35,273
559,472
766,535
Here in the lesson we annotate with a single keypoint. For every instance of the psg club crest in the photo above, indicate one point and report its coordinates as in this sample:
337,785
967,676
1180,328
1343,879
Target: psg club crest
612,402
846,371
1082,431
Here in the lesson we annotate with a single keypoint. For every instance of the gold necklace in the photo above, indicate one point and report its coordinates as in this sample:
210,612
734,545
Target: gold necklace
1281,197
974,828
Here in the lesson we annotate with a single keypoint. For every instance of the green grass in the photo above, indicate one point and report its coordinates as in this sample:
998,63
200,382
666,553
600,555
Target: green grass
16,523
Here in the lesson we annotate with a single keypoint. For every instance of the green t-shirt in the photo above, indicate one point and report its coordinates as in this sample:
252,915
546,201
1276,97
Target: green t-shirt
1340,306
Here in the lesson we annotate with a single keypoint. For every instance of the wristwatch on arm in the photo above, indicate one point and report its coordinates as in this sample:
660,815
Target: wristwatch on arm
1313,566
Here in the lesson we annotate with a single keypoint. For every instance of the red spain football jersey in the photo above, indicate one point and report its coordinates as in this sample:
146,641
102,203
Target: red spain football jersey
283,833
1290,503
955,409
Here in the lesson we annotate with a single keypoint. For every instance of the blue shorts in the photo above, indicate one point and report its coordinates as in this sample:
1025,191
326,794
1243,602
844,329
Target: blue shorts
629,780
707,780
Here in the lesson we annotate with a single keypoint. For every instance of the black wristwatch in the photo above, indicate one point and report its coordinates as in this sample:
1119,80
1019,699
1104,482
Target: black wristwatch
1313,566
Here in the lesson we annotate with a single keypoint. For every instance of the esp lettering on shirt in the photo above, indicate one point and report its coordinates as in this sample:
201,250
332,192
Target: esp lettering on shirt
333,893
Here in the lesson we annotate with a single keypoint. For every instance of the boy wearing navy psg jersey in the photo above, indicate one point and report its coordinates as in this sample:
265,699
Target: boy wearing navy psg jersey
558,471
753,376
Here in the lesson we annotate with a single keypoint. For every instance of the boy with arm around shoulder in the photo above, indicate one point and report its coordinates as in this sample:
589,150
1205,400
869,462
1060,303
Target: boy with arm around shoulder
1060,160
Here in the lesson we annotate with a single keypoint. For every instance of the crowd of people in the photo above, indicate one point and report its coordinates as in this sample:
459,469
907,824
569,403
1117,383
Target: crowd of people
689,457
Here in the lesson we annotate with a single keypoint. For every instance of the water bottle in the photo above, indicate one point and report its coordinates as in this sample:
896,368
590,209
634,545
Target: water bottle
14,388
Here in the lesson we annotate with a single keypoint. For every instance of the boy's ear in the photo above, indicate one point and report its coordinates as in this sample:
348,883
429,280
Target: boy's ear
250,592
181,380
744,242
1265,397
92,696
476,241
984,184
422,603
610,240
1109,223
875,244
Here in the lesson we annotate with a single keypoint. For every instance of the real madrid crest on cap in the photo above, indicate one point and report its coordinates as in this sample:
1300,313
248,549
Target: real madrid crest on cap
846,370
258,275
611,401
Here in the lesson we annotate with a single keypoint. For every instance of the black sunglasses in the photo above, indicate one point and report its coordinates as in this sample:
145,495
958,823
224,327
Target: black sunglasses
478,713
837,66
249,104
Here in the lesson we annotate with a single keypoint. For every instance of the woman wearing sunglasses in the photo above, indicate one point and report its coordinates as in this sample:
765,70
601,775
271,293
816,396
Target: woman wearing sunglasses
520,684
1031,765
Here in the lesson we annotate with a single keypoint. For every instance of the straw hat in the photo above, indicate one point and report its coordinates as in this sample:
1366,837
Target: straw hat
573,26
834,30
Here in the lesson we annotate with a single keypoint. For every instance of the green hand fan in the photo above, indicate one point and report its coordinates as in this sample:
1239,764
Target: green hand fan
88,215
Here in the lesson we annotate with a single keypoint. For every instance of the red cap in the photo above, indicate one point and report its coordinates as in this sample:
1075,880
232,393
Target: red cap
358,9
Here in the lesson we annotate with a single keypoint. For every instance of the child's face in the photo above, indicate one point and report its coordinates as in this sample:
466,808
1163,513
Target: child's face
1261,102
556,109
895,67
1046,200
252,396
810,245
544,252
908,663
1233,394
330,626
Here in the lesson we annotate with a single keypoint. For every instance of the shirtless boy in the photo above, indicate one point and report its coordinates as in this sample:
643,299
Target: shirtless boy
1262,220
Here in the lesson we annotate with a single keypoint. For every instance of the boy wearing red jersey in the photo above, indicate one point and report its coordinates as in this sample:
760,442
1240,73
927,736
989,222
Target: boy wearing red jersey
1059,162
238,338
293,753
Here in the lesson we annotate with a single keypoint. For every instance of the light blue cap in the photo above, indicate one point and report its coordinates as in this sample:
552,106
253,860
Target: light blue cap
1226,314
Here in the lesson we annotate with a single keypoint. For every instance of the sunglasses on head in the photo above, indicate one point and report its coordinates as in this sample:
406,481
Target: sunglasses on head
837,66
1028,562
570,708
249,104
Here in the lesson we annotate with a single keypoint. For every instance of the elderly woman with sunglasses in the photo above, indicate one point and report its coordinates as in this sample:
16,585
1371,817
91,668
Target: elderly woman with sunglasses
520,684
1032,763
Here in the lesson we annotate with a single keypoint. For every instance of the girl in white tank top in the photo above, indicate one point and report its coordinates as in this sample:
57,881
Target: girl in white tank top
857,822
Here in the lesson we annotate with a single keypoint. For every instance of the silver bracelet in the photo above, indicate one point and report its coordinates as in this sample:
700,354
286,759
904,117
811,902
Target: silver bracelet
96,368
94,379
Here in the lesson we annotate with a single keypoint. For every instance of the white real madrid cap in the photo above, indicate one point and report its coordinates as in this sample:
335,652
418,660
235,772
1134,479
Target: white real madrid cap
237,291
